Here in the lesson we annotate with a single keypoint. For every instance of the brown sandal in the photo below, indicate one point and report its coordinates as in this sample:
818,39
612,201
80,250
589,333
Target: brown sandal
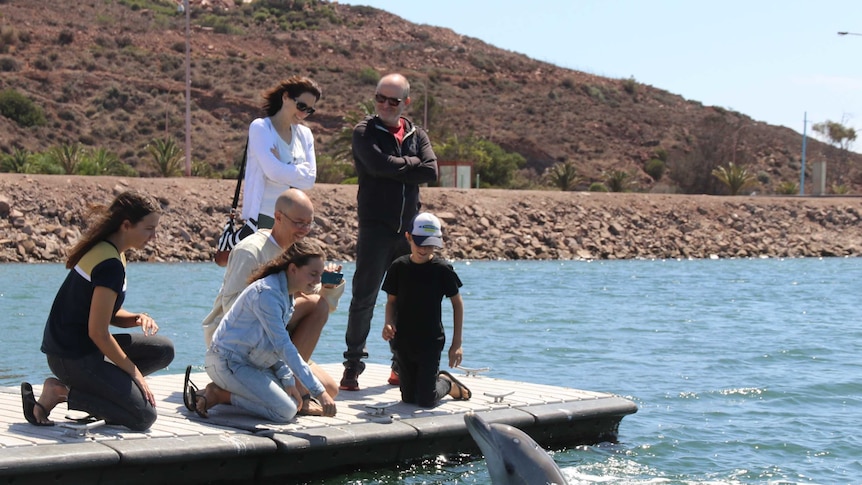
310,407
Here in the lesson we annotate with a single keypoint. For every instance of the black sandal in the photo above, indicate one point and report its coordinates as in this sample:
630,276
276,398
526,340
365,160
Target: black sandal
190,395
464,393
30,404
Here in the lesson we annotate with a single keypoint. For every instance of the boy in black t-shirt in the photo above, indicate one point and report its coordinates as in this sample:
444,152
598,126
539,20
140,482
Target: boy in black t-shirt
416,284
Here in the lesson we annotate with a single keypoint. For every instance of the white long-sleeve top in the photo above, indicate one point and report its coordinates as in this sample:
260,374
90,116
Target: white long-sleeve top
275,165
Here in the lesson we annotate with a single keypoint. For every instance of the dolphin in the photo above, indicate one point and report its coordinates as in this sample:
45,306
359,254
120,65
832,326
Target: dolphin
513,457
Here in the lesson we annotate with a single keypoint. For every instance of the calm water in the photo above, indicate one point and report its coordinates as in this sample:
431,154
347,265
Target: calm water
745,371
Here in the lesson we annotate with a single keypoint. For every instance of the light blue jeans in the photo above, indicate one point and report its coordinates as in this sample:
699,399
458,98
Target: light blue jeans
253,389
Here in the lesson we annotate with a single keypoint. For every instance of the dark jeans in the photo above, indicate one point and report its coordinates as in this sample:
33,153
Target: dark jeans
376,247
102,389
418,372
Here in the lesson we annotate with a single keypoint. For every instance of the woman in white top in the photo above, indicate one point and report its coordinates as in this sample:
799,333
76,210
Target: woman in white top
280,149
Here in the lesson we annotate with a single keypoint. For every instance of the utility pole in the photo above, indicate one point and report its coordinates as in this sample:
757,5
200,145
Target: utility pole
188,92
802,175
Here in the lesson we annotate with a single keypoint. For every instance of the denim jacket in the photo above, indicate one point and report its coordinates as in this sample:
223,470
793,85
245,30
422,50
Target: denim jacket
254,331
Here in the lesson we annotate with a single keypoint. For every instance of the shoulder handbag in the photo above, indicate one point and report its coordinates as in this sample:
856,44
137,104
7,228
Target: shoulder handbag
232,233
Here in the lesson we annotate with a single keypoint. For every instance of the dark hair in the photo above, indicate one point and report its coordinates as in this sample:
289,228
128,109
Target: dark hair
128,206
298,254
294,86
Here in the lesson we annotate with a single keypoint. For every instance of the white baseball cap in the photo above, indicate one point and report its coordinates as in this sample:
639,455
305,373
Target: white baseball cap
427,230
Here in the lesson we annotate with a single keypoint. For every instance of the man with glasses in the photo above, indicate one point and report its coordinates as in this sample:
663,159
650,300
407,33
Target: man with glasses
392,158
294,219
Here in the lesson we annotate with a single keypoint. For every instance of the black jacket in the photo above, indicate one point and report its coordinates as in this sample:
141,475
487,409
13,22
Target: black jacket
389,173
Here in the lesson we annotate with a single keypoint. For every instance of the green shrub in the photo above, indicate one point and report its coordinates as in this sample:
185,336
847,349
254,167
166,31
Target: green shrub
42,64
483,62
598,187
8,64
8,38
594,92
43,163
20,109
124,41
840,189
655,168
333,170
369,75
104,162
763,178
66,37
630,85
219,24
230,173
787,188
202,169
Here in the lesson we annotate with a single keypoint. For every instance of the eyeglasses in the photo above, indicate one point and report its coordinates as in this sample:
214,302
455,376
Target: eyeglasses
299,224
386,99
301,106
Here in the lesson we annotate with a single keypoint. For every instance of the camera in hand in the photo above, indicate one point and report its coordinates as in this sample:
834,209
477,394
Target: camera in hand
331,278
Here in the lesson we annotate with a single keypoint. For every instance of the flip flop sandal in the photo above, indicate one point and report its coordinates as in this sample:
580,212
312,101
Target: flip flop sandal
30,404
464,393
191,396
85,420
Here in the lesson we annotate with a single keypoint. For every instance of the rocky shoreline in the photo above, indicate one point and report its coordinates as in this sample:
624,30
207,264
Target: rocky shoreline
42,215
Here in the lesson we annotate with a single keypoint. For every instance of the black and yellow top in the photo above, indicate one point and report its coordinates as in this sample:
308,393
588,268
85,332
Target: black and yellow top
66,332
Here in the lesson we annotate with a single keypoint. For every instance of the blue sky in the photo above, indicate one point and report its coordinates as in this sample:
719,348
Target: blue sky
771,60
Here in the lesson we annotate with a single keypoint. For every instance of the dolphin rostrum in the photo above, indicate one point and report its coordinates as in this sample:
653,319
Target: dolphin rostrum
513,457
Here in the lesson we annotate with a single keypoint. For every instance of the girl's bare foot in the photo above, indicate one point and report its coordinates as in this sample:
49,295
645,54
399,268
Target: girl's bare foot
211,396
53,393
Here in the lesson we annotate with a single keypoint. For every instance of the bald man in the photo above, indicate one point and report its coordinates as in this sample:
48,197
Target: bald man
294,218
392,158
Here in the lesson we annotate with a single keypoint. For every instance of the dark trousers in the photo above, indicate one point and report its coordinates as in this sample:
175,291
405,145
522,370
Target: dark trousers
376,247
418,372
102,389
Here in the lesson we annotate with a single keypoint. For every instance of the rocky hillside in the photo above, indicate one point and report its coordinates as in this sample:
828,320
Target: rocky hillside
42,215
111,74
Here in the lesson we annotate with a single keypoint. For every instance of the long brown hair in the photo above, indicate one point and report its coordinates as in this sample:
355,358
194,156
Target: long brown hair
128,206
294,86
299,254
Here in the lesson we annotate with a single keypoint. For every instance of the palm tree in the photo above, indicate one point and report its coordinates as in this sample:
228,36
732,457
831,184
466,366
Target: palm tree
16,162
342,142
736,178
617,181
68,157
564,176
167,157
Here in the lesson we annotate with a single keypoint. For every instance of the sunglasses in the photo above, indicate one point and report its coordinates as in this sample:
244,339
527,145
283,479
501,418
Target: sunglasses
304,107
386,99
299,224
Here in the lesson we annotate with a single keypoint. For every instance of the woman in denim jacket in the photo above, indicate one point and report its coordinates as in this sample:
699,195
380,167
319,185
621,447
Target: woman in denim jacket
252,361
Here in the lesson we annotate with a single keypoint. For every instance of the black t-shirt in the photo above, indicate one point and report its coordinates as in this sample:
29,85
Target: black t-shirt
420,289
66,332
